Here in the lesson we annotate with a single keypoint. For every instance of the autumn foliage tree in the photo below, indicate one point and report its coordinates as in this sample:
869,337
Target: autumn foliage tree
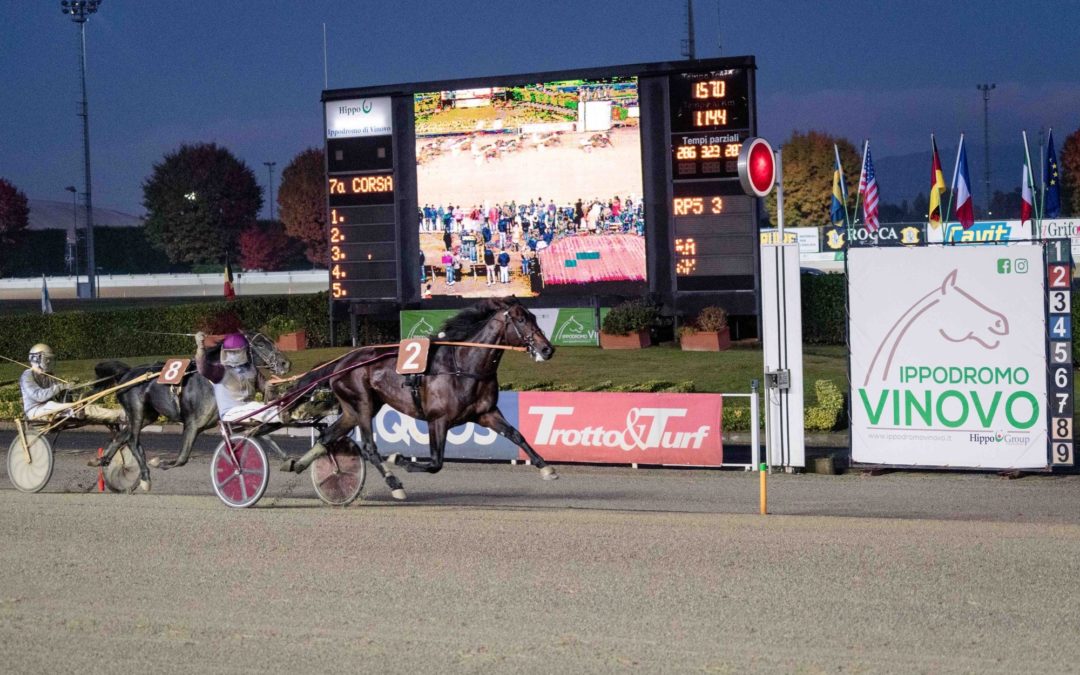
808,174
302,203
198,200
265,246
1069,168
14,219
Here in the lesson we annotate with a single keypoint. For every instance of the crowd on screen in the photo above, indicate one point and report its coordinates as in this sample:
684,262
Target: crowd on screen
486,236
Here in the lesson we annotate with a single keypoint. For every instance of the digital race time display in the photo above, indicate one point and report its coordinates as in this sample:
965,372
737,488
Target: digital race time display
714,100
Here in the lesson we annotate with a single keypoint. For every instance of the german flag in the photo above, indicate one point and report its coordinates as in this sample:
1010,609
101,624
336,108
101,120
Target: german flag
230,292
937,186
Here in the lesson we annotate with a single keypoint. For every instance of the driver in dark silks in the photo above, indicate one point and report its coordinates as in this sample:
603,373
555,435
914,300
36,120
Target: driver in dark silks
39,389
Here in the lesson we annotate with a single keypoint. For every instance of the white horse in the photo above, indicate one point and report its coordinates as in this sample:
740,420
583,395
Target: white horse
949,310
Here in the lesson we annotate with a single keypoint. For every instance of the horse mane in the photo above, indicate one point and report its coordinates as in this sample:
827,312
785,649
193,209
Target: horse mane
466,323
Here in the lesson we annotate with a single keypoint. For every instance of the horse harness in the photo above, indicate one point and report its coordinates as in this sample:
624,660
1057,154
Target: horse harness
415,381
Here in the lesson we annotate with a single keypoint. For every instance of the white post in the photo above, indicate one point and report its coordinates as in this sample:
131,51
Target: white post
755,437
780,196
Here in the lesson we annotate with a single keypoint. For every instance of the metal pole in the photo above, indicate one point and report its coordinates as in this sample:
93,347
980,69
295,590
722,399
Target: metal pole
985,89
755,437
780,195
91,269
270,185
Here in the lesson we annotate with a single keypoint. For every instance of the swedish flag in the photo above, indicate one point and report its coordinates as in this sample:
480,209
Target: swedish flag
837,206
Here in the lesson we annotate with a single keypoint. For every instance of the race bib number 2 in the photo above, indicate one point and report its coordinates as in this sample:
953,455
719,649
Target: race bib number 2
173,371
412,356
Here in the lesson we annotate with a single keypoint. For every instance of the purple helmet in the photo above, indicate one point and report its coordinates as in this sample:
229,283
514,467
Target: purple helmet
234,341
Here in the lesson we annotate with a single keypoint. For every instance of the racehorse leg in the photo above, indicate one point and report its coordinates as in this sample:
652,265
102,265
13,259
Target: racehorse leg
495,421
187,442
437,430
329,435
370,452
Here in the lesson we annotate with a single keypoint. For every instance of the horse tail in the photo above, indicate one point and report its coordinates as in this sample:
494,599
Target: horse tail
110,372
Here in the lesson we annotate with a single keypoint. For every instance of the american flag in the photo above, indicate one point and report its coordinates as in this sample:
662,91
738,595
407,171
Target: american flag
868,190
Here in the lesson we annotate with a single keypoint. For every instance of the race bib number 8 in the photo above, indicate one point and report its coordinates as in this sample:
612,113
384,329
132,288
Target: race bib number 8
173,371
412,356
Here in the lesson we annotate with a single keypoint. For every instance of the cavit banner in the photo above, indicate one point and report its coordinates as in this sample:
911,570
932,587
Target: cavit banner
982,231
563,327
679,429
948,365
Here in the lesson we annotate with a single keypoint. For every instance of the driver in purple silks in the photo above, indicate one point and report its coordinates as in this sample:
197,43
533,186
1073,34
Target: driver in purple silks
235,380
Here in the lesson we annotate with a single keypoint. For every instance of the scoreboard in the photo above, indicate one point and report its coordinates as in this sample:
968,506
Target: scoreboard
715,236
700,228
362,227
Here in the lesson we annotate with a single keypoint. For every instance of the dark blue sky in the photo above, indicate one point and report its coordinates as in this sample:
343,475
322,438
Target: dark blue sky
248,75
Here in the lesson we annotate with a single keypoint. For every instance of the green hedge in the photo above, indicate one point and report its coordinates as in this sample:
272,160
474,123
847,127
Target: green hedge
824,315
120,333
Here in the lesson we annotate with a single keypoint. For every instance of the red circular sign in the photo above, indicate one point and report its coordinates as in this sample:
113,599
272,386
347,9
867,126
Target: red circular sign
757,167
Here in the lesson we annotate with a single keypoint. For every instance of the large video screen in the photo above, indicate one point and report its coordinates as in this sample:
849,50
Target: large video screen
528,190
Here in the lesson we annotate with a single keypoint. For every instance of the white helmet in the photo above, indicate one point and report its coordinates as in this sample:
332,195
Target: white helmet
42,357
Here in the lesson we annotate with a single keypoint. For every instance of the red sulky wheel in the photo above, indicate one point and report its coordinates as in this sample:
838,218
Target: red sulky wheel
242,482
338,476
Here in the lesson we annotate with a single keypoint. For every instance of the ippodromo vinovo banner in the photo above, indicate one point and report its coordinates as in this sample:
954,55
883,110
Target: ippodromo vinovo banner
948,361
566,327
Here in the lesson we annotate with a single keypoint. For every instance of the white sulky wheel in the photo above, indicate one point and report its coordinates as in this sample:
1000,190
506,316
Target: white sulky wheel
240,483
30,474
338,476
122,473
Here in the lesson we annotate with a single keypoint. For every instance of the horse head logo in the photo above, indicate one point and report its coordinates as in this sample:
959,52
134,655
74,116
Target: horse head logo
421,327
572,326
950,311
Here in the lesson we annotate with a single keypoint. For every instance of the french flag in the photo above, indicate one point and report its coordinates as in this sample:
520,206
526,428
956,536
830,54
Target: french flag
1027,202
965,206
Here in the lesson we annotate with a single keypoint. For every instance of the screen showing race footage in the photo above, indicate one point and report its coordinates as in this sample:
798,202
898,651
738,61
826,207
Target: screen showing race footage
530,190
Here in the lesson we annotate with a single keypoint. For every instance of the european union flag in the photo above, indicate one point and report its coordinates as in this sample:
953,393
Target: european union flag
1052,183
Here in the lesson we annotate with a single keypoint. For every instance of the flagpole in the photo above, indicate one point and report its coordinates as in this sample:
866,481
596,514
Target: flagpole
1042,199
1031,183
952,192
862,168
843,185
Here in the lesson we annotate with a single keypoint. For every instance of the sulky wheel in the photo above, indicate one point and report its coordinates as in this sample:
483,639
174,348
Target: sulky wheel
338,476
30,467
122,473
240,482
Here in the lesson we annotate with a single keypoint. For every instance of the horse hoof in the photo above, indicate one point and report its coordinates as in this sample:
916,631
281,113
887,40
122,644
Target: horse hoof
155,462
398,494
548,473
144,485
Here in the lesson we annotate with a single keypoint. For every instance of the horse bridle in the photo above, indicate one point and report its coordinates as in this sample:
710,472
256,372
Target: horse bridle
530,346
266,356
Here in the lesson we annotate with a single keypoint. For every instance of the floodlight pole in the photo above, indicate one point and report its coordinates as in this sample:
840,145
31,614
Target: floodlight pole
270,185
985,89
79,10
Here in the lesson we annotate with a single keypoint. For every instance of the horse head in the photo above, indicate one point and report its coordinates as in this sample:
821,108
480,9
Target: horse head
267,355
964,317
521,329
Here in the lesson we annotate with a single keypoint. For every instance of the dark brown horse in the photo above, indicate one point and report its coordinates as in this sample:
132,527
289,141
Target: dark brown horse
460,385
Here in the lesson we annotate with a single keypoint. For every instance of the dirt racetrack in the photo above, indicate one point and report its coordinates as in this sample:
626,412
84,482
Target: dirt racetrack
488,568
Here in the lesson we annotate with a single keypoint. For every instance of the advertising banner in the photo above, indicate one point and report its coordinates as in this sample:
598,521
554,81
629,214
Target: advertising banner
679,429
573,327
888,234
808,238
357,117
395,432
982,231
948,356
1063,228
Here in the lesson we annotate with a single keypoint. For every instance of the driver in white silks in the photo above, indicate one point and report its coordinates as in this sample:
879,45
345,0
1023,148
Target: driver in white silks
38,388
235,380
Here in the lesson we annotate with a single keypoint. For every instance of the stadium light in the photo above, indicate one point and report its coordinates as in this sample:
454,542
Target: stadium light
79,11
270,185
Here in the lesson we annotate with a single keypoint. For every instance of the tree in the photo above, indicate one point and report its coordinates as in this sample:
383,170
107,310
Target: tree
302,203
198,200
265,246
809,161
1069,168
14,220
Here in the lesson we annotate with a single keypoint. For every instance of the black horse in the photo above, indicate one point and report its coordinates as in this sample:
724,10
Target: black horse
191,403
460,385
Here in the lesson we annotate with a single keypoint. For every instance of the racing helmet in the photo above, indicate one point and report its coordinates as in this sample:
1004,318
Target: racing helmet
234,350
42,357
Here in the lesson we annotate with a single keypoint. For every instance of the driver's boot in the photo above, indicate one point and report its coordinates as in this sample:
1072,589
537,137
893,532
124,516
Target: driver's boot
299,465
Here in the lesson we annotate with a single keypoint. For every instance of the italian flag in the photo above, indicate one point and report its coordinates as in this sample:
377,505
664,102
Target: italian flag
1027,201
